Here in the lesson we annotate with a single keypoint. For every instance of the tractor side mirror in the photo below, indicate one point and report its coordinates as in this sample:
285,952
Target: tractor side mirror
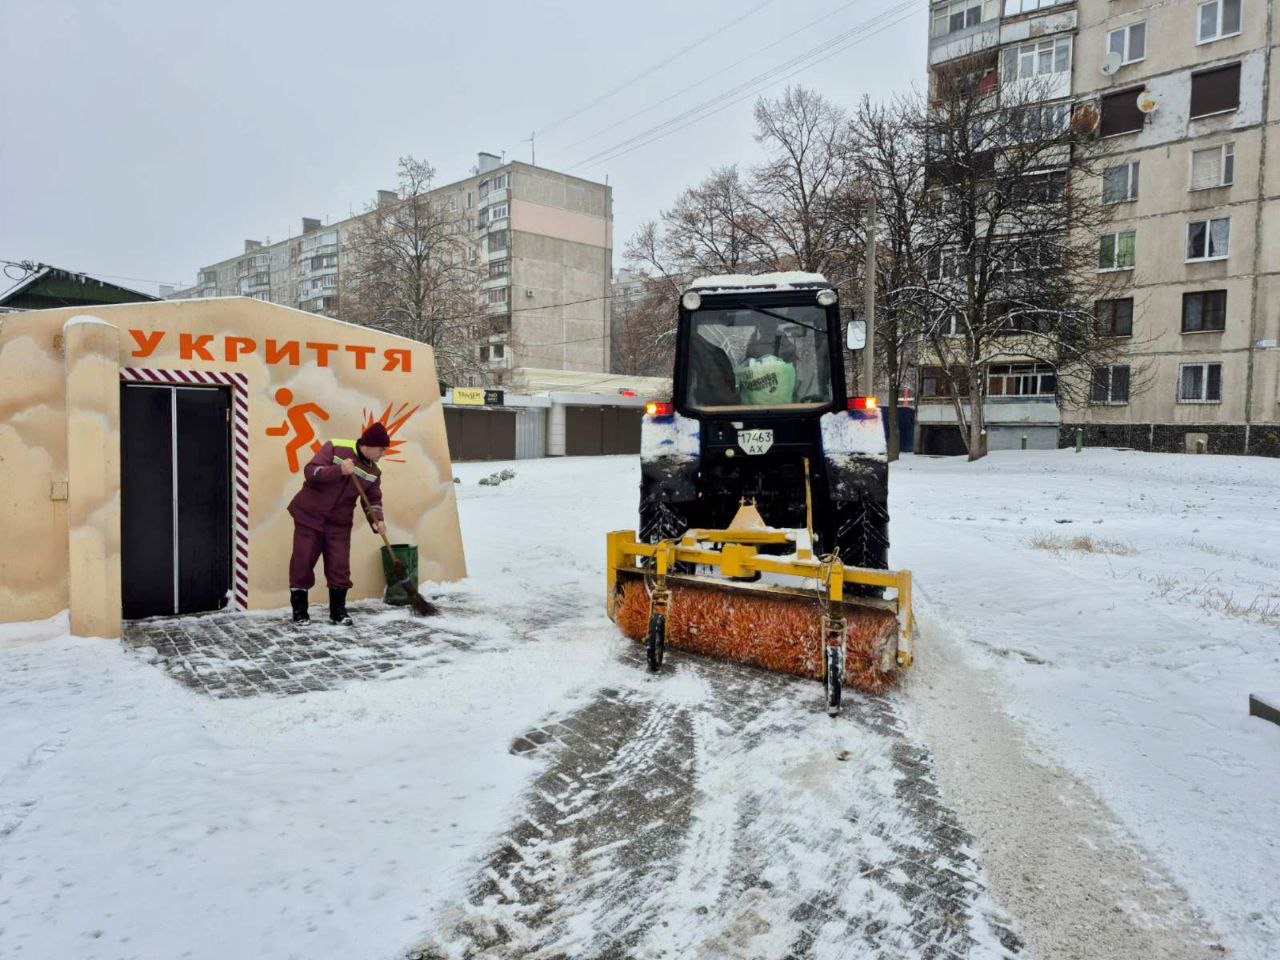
857,334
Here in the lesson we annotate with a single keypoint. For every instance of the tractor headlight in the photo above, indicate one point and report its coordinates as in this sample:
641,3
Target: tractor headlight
826,298
691,300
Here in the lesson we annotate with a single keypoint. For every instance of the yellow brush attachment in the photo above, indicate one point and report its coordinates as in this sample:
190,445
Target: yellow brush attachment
769,630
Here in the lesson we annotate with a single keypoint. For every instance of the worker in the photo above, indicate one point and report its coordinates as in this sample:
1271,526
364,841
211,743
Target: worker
768,377
322,517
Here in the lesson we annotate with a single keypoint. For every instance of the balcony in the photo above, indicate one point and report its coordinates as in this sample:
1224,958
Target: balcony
964,43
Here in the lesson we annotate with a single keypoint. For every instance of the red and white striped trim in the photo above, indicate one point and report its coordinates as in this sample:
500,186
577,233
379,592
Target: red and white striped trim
239,384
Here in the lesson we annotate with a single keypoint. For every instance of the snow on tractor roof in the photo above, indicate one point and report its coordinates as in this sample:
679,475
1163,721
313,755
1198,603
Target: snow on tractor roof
761,281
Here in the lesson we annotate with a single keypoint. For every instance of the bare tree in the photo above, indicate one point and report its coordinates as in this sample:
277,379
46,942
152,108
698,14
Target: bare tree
889,153
1010,239
414,272
800,194
644,331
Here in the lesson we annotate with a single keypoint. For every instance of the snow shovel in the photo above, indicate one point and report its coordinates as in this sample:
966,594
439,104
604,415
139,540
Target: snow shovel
419,604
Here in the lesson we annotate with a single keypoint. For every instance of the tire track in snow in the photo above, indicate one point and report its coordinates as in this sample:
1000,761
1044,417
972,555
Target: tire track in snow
666,826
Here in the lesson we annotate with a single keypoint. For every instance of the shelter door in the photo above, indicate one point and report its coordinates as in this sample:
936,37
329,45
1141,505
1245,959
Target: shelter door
175,489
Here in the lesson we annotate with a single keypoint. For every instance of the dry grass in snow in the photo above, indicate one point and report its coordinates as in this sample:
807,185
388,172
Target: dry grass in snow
1081,544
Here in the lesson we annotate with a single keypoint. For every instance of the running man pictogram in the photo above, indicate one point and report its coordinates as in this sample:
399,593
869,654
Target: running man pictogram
296,419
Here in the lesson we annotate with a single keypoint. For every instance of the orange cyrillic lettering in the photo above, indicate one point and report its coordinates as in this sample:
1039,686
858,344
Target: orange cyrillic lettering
322,352
289,351
398,360
237,347
189,346
147,342
361,354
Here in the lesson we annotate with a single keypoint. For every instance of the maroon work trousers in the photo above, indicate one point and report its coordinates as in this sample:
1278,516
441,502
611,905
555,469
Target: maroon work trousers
333,543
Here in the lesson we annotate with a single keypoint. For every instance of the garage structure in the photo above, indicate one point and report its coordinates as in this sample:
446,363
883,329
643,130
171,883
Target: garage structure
522,427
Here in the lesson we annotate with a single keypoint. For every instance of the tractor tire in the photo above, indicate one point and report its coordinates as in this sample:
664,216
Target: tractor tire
660,520
861,533
833,678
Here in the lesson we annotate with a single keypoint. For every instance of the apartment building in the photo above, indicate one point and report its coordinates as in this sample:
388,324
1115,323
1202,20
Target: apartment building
1183,91
988,45
543,241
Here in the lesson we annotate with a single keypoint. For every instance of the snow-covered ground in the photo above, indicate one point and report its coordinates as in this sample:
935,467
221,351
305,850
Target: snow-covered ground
141,819
1129,661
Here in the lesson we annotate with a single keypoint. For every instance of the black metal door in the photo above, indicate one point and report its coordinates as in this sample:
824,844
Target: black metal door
175,486
146,500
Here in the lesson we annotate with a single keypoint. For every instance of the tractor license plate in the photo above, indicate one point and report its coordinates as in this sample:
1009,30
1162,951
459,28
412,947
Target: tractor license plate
755,442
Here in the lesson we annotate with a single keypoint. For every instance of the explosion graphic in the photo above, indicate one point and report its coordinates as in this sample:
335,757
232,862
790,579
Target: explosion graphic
393,421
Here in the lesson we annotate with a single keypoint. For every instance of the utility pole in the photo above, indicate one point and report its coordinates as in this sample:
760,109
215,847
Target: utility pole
869,297
533,156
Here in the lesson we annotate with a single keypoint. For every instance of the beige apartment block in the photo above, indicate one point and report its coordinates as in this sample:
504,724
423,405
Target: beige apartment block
542,239
1186,92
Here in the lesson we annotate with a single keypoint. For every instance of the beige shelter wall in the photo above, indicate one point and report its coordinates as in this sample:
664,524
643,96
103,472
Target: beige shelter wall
92,350
33,454
305,373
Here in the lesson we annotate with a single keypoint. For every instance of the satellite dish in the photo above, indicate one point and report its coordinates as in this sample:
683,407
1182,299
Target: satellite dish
1111,63
1147,103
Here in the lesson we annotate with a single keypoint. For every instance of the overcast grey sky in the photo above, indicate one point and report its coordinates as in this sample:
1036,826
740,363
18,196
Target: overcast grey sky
144,139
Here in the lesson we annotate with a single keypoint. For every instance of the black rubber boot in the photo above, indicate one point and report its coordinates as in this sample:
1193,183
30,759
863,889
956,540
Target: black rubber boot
298,600
338,607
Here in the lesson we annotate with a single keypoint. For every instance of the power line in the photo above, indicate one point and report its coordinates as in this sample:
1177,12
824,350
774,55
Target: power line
32,266
722,101
712,76
657,66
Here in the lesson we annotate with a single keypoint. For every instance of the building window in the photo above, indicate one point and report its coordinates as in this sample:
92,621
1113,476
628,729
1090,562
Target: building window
484,188
1214,167
1209,239
497,351
1014,7
1114,317
1021,380
1117,251
1047,186
943,262
935,385
498,211
1120,113
1110,384
1130,42
484,351
500,182
1200,383
1038,59
1216,19
1204,311
1028,124
498,295
497,241
1215,91
471,199
499,268
956,15
1120,184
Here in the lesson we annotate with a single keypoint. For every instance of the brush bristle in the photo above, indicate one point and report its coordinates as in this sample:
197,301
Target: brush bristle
772,631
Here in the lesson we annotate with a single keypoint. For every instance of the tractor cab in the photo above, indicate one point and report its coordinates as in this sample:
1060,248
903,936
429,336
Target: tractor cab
760,413
759,350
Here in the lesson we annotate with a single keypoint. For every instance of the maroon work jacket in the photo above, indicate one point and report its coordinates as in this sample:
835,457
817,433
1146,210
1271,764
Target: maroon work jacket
327,498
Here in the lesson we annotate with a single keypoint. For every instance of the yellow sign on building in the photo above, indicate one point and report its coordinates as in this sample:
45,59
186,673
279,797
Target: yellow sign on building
468,396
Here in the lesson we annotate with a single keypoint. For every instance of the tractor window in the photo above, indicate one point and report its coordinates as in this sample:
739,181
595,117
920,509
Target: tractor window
745,358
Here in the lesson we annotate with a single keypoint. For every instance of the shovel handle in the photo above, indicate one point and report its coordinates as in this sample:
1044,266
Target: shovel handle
369,509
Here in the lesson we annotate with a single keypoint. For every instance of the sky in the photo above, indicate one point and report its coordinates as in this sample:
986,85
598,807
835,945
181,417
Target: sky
143,140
